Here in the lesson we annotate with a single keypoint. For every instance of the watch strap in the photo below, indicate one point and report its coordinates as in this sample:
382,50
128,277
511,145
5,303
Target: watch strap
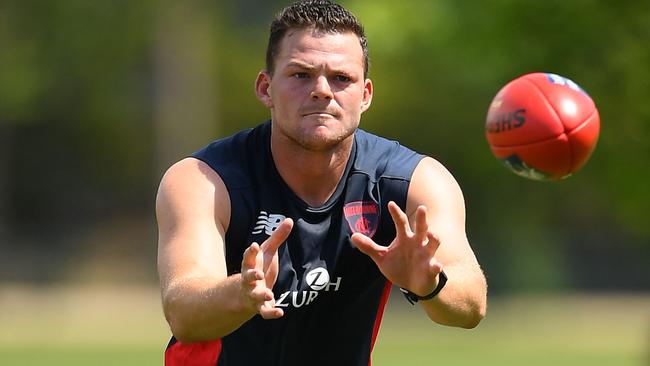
413,298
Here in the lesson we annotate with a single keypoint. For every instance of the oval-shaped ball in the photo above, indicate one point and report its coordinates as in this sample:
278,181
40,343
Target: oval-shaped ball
542,126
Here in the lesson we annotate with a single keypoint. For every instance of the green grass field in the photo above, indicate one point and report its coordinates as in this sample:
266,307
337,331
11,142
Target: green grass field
124,326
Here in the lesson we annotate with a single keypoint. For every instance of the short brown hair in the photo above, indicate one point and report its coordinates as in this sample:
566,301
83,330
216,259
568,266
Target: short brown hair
323,16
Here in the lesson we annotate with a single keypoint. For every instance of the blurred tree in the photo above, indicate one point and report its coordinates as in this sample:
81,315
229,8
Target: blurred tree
97,98
438,66
74,98
185,95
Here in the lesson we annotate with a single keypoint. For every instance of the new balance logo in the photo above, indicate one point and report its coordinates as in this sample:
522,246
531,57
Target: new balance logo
267,223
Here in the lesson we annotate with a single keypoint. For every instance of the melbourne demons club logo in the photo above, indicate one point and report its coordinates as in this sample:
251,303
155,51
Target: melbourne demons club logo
362,216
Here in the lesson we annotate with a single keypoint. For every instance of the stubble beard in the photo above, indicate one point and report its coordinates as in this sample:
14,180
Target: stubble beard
318,143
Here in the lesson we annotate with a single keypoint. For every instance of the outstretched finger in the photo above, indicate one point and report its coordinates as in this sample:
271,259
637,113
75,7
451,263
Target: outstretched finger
279,236
421,223
400,219
268,311
250,276
261,294
250,254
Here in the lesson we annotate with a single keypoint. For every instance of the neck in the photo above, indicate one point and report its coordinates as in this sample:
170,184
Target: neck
312,175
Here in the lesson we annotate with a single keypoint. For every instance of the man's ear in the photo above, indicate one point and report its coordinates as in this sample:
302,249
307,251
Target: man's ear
367,95
263,88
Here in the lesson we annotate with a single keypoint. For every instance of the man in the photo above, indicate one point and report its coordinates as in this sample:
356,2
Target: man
279,245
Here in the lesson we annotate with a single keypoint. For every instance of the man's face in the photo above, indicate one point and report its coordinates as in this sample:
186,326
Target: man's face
318,91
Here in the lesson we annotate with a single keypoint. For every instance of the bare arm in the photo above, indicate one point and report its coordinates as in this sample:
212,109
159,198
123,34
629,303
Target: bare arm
431,238
199,300
463,301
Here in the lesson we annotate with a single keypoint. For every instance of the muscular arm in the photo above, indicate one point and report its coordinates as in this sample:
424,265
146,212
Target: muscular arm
462,302
200,301
429,239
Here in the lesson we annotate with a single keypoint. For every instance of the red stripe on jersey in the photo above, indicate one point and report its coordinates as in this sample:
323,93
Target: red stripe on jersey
193,354
380,314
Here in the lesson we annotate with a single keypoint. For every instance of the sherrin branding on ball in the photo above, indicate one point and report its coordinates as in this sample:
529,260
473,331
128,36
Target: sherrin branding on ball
542,126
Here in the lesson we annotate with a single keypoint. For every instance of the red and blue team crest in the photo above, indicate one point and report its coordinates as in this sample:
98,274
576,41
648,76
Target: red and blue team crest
362,216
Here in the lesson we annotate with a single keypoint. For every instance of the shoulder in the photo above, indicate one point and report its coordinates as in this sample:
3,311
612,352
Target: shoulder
190,190
198,187
189,174
434,186
384,157
230,157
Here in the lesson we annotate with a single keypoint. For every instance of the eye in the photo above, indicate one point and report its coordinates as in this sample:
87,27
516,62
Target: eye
343,78
300,75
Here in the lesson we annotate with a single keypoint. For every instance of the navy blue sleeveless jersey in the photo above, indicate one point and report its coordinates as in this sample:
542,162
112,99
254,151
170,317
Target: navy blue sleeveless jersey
332,294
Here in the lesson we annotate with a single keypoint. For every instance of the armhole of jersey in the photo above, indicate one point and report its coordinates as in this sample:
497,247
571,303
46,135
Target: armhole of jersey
225,183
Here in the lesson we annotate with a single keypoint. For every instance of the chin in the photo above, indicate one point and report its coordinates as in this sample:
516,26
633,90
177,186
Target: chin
324,141
317,132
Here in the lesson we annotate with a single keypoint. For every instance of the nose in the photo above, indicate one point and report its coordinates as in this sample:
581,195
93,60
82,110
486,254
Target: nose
321,89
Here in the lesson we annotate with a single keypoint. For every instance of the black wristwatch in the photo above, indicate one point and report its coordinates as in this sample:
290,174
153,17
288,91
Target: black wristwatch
413,298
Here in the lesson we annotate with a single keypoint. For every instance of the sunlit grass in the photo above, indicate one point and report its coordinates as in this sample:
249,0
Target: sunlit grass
550,330
125,326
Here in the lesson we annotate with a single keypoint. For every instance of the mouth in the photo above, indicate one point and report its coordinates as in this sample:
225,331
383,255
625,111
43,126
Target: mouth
318,114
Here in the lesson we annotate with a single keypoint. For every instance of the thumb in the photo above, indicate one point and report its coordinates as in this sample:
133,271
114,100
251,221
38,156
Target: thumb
367,246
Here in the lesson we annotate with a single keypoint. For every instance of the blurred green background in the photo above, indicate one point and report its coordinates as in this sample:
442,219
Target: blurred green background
98,98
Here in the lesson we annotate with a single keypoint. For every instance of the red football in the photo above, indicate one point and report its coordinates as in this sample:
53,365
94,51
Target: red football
542,126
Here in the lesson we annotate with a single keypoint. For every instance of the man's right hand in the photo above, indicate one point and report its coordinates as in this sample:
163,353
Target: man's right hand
259,271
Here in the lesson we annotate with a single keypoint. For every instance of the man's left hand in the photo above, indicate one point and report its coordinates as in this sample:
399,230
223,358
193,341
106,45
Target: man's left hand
409,261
